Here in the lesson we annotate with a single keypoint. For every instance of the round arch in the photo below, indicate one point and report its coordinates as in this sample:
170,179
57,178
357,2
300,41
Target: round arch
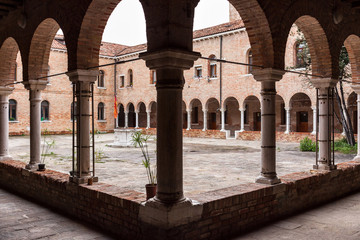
352,44
141,109
8,55
232,115
301,114
121,116
252,113
214,115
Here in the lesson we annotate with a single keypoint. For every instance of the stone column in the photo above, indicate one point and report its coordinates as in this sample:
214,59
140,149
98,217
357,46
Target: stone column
205,119
188,119
222,119
126,119
325,128
136,119
169,65
242,119
314,120
268,78
35,87
4,122
148,119
83,80
288,122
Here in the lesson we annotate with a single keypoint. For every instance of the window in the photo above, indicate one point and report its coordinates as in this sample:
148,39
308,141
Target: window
101,79
122,81
73,111
212,67
195,115
300,54
250,62
152,77
198,72
101,111
45,111
12,110
131,78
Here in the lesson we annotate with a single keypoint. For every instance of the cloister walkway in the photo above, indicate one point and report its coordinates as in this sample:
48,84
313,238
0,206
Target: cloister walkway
22,219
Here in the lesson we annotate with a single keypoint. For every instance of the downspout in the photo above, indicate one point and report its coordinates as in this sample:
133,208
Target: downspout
220,72
115,88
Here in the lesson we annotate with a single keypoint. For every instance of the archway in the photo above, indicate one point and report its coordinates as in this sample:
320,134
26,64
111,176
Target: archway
352,109
184,115
153,115
131,115
280,112
197,114
232,115
214,114
301,113
252,114
142,115
121,115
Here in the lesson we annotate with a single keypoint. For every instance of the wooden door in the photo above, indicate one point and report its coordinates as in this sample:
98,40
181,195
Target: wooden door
302,119
212,123
257,121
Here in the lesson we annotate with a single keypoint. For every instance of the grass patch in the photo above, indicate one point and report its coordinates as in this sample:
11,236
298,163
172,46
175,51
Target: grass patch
307,145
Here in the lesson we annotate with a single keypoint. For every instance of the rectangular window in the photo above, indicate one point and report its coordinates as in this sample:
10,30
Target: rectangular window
198,72
122,81
213,70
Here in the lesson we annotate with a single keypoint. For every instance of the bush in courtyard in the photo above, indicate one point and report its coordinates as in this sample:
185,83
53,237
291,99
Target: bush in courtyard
343,147
307,145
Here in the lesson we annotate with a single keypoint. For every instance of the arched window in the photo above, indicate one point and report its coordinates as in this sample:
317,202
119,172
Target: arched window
73,111
250,61
130,78
152,77
300,54
12,110
212,67
45,111
101,79
101,111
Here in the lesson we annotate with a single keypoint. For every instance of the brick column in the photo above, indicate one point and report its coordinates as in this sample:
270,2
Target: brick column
126,113
35,87
188,111
288,122
222,119
324,137
205,119
314,120
148,119
136,119
242,119
268,78
83,80
4,122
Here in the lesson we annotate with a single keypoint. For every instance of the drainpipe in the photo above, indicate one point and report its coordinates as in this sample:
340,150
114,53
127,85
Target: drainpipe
220,78
115,89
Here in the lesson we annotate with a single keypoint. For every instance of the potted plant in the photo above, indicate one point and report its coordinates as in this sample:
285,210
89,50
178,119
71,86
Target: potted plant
46,146
140,140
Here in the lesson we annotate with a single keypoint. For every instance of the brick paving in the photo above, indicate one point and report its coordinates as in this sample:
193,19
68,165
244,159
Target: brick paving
209,164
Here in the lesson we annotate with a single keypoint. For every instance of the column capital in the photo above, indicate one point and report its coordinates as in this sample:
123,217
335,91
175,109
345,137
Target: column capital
287,108
137,111
268,74
170,58
313,108
83,75
188,110
356,88
148,111
5,91
241,109
35,84
323,82
204,109
126,112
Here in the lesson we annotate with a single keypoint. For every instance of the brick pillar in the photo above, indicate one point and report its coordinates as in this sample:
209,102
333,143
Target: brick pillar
268,78
324,137
288,120
242,119
188,119
148,119
35,87
83,80
314,120
4,122
205,119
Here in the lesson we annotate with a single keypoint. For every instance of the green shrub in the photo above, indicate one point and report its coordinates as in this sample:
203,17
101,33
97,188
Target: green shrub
307,145
343,147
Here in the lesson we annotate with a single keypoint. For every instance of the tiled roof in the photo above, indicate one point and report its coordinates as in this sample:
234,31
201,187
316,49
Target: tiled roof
113,49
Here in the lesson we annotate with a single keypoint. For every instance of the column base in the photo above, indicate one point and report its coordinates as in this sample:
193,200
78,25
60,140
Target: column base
82,180
6,157
242,130
204,130
357,158
268,180
287,132
313,133
166,216
325,167
32,166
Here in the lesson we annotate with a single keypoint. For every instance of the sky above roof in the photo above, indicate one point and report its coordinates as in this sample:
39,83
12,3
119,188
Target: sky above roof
126,24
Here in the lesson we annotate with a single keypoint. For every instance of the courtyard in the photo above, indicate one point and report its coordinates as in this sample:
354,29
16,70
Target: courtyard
209,164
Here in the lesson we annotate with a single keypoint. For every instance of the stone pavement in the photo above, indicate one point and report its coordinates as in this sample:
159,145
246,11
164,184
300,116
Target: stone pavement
24,220
209,164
